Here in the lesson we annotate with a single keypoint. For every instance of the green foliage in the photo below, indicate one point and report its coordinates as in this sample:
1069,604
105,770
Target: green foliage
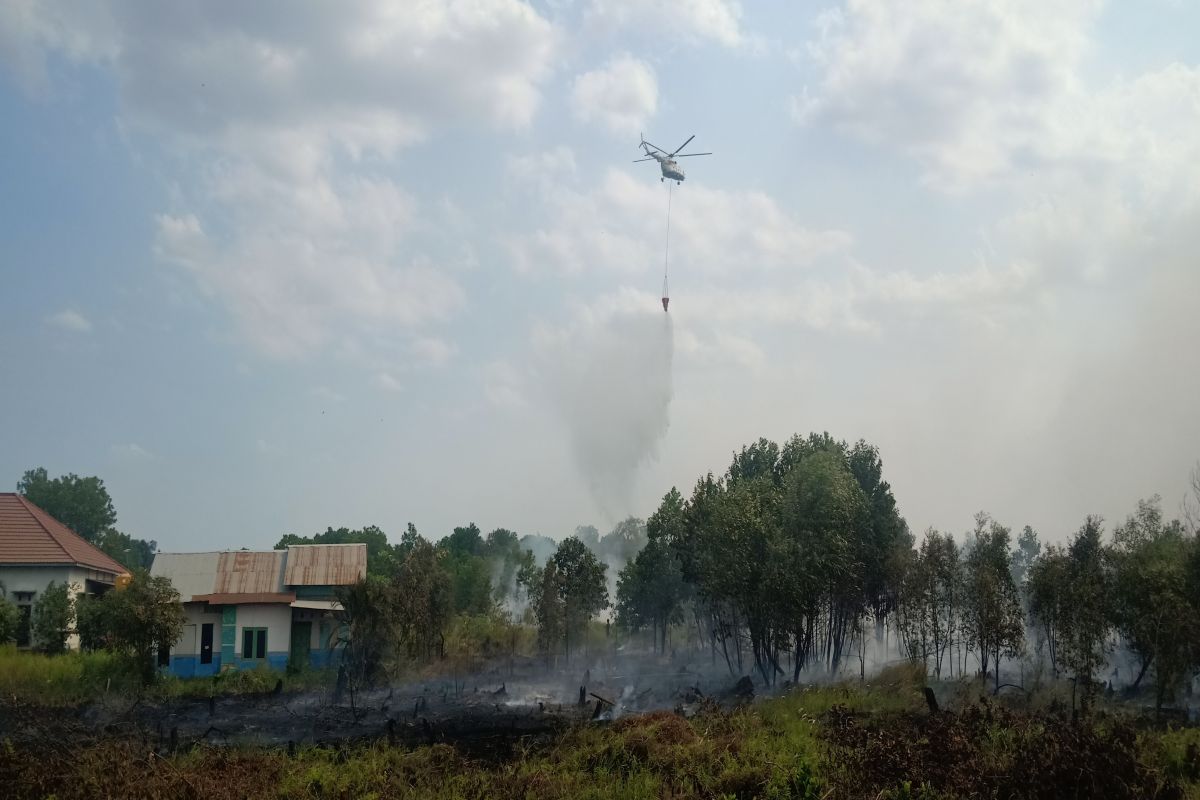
126,550
1087,612
993,617
9,620
82,504
581,586
1153,609
422,595
53,617
364,630
142,618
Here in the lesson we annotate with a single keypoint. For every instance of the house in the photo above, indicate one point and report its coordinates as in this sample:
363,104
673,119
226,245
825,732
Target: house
245,609
36,549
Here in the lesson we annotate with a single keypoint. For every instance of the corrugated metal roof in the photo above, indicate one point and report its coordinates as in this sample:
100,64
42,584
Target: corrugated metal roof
28,535
243,572
190,573
325,564
239,598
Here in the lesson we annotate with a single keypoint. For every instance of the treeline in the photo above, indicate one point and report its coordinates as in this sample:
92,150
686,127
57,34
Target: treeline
787,561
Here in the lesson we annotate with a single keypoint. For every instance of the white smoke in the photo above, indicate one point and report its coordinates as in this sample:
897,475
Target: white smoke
610,377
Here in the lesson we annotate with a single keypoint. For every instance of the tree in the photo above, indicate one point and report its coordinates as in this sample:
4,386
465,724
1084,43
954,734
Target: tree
464,541
92,622
1026,552
1086,613
1048,595
625,540
132,553
364,630
82,504
545,593
1152,609
144,617
993,609
53,617
9,620
423,597
581,584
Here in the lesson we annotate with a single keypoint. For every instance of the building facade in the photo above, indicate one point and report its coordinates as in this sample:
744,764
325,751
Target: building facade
248,609
36,550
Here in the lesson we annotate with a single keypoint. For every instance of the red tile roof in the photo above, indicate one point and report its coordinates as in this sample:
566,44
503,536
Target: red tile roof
28,535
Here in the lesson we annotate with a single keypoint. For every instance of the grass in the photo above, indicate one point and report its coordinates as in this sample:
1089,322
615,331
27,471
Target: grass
75,678
68,679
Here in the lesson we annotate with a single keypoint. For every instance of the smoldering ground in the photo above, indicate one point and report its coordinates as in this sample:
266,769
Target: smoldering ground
609,376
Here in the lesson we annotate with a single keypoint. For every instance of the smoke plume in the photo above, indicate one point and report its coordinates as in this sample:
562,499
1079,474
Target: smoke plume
611,380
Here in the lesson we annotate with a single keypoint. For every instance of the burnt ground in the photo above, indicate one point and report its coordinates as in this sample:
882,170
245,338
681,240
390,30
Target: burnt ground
485,713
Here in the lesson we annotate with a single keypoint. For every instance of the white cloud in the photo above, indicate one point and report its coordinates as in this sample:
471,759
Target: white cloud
692,20
70,320
388,381
285,121
130,451
964,87
432,351
619,226
502,384
622,95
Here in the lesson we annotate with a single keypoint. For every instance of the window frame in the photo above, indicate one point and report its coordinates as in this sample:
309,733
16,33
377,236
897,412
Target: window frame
253,632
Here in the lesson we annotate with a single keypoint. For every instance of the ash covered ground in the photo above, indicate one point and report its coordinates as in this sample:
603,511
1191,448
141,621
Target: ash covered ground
487,711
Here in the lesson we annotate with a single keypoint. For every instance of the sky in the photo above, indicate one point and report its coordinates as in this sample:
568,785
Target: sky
267,268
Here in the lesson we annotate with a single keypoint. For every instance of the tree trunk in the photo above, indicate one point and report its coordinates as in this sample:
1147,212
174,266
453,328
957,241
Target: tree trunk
1141,674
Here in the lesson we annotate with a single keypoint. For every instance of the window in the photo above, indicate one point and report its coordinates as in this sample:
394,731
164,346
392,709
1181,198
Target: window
254,643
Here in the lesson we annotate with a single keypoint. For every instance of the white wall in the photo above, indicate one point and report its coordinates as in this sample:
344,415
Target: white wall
275,617
36,579
197,614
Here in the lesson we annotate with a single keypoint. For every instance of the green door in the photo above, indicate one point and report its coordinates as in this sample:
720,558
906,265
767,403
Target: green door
298,655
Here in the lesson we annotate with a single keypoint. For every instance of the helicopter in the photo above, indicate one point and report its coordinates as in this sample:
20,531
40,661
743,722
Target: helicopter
666,160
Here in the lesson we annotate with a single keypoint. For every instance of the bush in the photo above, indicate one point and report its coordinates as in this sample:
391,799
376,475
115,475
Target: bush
52,617
10,618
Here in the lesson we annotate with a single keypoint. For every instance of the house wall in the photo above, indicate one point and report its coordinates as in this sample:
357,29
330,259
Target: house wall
185,654
277,619
35,579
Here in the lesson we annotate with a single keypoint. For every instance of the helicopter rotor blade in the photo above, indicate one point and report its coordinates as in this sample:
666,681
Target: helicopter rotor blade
636,160
685,144
689,155
656,147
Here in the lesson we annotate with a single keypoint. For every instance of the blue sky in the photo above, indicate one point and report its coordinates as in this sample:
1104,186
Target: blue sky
274,268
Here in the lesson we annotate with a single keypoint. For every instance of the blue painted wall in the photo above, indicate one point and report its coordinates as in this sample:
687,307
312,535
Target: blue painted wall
183,666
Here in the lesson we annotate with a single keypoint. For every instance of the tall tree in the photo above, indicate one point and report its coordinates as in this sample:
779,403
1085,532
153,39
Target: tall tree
582,586
1085,623
1048,595
82,504
423,597
993,608
1152,608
